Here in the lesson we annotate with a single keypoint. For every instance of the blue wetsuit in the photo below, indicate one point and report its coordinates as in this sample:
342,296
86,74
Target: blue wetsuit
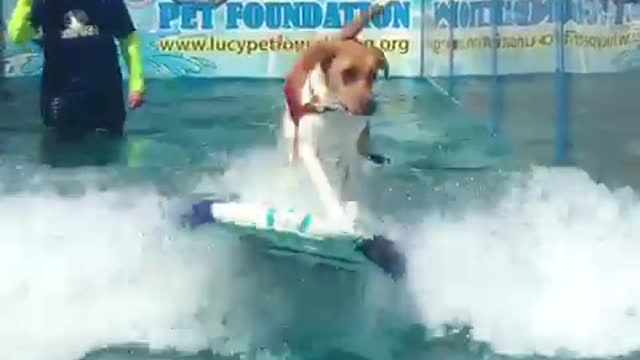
81,86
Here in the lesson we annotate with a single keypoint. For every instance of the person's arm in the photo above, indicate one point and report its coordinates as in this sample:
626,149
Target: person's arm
132,53
20,29
123,29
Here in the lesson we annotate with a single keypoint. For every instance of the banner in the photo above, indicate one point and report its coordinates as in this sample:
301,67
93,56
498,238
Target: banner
429,38
247,38
598,36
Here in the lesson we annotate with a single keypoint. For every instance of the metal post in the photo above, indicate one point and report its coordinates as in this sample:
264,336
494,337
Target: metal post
3,28
619,19
452,21
563,141
497,94
422,36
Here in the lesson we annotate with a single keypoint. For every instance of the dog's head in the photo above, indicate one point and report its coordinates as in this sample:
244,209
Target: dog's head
351,73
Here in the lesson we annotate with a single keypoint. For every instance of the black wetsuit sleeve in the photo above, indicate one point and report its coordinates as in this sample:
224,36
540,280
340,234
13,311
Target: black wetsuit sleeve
121,23
37,14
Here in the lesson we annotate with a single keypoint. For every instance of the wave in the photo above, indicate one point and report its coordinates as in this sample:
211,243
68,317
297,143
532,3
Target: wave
549,269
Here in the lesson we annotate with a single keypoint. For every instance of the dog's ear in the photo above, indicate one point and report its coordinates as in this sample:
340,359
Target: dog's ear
382,63
325,63
321,52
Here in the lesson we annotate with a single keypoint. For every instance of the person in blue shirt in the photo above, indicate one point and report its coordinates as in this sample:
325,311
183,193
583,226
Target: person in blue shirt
81,85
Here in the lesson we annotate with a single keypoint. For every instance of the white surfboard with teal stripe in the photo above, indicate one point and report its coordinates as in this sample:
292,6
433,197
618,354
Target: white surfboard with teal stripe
294,233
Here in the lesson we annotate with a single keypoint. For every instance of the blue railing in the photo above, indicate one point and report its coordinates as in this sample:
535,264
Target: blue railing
497,94
561,87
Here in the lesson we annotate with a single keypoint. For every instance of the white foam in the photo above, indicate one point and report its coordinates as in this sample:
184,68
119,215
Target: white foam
553,266
102,269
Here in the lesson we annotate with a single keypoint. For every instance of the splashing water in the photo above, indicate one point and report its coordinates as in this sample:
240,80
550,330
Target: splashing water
552,267
108,268
104,268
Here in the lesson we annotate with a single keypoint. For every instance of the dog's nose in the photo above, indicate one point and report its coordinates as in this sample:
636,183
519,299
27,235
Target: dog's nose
369,108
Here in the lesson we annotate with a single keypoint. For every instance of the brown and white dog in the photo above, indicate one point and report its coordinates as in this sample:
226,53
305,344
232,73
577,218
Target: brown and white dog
334,74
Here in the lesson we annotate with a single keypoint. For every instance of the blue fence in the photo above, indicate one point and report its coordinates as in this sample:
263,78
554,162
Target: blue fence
501,39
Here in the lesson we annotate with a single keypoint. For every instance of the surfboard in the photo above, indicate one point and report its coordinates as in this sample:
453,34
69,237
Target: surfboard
292,232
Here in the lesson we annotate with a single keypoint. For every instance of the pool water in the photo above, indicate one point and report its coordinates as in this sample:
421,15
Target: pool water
505,260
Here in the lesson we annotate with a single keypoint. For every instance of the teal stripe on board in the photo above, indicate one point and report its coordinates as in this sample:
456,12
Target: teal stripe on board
306,222
271,217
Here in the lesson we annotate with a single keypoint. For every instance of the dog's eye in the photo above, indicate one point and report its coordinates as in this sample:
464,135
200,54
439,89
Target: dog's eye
349,75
